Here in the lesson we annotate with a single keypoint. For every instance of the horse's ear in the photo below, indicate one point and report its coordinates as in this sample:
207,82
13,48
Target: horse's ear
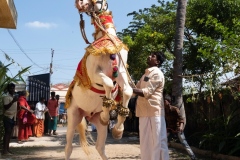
77,4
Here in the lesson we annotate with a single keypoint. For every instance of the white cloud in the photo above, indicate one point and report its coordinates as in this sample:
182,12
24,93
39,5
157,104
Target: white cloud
37,24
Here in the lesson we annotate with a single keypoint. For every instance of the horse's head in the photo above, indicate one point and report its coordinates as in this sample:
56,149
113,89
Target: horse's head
91,5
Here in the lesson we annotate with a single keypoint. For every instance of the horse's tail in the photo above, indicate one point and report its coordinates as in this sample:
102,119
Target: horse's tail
85,137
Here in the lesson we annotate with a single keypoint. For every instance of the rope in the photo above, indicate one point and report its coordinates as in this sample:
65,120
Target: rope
99,24
82,26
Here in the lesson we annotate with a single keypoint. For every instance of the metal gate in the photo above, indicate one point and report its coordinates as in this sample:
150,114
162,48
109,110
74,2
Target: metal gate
38,86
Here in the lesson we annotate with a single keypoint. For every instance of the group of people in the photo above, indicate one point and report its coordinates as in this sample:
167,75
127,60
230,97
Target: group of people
18,113
157,117
51,110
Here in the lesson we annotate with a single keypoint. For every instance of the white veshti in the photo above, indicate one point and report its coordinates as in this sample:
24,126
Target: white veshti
101,73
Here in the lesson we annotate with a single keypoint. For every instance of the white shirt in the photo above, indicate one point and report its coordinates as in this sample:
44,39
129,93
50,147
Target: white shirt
152,84
39,110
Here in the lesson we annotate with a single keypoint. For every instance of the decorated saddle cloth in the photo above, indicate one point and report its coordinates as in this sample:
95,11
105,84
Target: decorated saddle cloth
108,44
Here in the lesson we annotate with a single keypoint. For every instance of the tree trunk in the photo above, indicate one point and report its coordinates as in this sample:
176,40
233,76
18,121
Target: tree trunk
178,47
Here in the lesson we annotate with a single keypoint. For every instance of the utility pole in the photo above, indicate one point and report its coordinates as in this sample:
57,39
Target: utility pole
51,64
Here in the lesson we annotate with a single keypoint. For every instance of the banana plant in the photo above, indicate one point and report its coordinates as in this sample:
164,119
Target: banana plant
5,79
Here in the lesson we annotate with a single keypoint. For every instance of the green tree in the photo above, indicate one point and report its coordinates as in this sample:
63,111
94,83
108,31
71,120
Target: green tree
152,29
209,33
210,47
212,41
213,36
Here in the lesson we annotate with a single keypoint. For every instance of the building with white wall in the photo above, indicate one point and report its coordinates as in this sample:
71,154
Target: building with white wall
60,89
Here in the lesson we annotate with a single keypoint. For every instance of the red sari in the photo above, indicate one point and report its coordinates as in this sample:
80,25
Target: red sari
24,130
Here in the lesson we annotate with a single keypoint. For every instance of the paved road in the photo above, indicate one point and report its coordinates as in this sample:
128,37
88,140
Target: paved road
52,148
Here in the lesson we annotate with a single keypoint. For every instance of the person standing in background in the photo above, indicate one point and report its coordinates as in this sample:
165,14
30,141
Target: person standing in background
150,110
25,118
52,106
175,124
9,116
47,117
40,109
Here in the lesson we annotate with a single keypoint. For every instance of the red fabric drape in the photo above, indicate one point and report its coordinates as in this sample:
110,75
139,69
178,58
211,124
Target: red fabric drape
24,130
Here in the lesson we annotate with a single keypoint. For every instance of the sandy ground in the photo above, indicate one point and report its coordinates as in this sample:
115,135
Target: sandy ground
52,148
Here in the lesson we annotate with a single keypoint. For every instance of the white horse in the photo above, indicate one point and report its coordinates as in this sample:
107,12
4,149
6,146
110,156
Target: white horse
101,78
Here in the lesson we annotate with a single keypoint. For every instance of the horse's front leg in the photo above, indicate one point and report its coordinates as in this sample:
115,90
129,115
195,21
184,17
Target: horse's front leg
107,100
73,119
123,111
101,135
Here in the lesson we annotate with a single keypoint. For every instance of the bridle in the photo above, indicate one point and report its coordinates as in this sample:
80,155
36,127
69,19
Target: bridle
102,8
102,5
91,13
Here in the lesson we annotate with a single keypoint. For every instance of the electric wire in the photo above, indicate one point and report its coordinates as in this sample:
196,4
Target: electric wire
23,50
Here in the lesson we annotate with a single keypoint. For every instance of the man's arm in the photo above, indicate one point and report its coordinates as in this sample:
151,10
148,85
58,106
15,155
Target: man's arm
57,98
152,84
180,120
7,106
138,92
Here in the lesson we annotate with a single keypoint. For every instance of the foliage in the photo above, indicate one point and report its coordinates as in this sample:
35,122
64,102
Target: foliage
5,79
211,50
217,132
212,40
146,34
211,46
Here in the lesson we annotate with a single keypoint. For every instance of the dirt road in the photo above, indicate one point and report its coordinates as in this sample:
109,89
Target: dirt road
52,148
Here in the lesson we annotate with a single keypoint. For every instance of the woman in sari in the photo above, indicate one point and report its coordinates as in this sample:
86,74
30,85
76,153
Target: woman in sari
25,118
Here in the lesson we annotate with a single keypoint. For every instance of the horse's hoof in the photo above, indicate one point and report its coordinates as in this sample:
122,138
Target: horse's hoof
117,133
103,122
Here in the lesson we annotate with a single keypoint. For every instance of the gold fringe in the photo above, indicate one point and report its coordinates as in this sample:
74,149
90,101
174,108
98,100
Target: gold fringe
81,79
106,45
68,96
125,47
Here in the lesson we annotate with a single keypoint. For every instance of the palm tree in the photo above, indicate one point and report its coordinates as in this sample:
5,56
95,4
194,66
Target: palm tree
178,48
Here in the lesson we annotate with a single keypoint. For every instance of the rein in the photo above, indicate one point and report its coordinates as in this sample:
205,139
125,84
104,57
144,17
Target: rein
82,29
82,23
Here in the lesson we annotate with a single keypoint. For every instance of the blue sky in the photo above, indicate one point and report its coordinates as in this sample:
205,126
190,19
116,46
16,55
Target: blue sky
49,24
